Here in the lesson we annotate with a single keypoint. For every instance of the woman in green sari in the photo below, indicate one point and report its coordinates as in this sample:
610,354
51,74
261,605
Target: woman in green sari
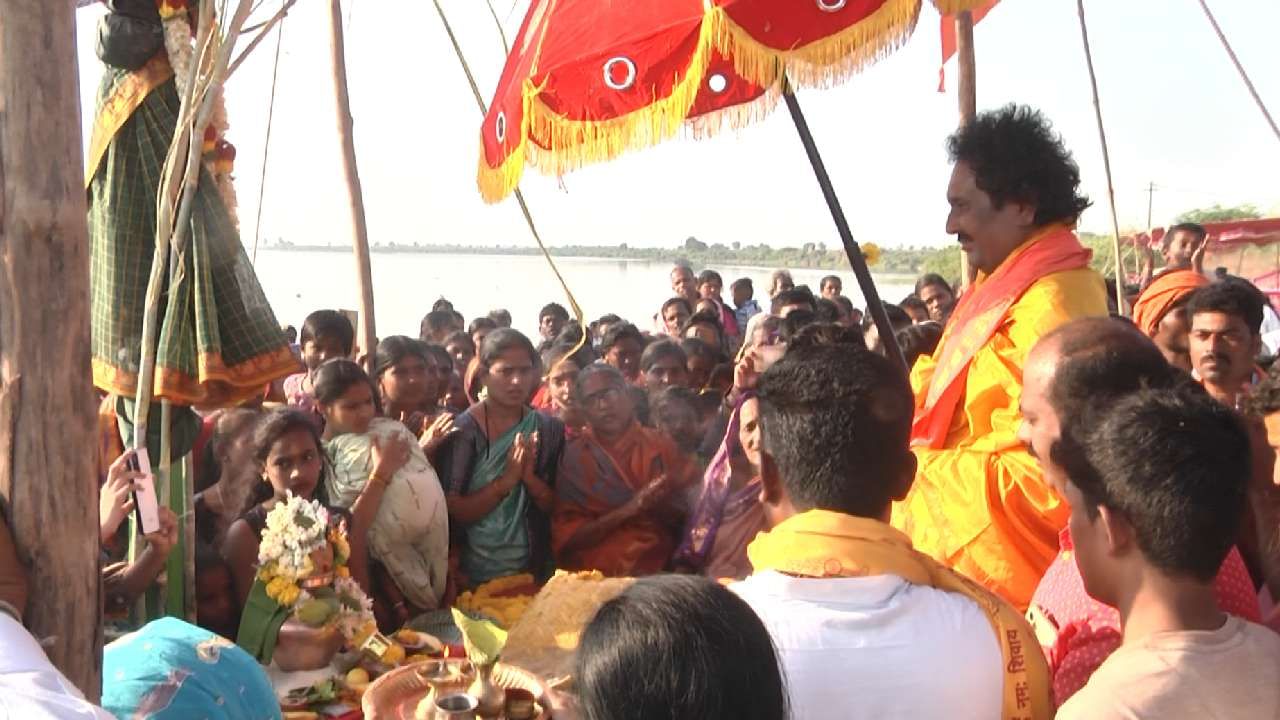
499,469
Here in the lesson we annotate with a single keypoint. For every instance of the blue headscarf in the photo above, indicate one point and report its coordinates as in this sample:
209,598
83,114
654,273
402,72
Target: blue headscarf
170,670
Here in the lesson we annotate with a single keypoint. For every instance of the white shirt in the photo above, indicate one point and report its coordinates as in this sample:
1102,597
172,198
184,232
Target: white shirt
878,647
31,688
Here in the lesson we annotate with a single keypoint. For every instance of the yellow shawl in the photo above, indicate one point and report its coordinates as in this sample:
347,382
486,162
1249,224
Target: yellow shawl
824,544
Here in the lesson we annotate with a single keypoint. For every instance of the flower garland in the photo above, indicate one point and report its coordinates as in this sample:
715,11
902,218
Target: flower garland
219,155
295,529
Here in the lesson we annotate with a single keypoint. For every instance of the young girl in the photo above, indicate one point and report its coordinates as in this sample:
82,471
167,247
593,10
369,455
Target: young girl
289,459
409,533
326,334
499,470
403,369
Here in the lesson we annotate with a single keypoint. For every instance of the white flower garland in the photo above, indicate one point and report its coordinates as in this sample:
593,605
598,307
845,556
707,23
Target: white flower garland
295,528
179,45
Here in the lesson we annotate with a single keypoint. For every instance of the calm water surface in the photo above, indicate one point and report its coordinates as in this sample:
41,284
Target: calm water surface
405,286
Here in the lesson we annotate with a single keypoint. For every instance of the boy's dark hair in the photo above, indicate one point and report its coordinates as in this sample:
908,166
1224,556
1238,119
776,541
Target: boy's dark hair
830,279
481,323
555,310
1017,157
1233,296
441,304
743,282
835,419
911,302
933,279
826,310
820,333
898,318
801,295
1175,464
1195,229
501,317
329,323
708,318
695,347
794,322
844,302
918,340
707,276
434,322
659,350
619,332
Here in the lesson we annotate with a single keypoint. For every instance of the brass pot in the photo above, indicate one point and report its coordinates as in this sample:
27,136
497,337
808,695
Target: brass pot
301,647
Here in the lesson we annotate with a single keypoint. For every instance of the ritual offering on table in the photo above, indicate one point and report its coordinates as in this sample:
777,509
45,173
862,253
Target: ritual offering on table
304,606
503,599
543,642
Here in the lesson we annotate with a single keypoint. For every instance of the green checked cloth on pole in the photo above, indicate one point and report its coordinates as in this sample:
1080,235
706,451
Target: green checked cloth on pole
218,342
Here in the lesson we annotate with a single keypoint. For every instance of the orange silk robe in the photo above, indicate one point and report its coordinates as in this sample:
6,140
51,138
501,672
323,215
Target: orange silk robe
979,503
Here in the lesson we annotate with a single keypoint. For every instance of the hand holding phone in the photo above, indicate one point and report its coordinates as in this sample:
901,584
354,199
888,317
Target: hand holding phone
144,494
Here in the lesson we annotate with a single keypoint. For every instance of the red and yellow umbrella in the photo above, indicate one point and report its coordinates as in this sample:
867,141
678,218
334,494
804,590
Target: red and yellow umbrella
587,80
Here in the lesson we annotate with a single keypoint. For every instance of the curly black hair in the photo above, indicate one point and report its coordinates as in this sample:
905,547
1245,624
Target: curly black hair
1017,157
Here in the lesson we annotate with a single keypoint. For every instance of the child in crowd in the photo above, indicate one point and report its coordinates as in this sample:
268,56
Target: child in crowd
409,535
710,287
326,334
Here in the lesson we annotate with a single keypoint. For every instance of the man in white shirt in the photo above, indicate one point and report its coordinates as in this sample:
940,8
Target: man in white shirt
1157,484
865,626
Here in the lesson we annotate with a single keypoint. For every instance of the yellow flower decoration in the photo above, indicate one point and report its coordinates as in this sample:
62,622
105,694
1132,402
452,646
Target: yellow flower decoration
342,571
871,253
289,595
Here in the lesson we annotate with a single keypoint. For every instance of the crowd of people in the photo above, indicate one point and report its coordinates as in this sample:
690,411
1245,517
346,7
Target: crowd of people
1052,510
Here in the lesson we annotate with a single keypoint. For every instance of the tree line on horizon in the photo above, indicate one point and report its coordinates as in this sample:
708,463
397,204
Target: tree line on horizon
910,260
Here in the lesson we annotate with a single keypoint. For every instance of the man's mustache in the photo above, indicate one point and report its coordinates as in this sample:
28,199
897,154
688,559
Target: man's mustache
964,237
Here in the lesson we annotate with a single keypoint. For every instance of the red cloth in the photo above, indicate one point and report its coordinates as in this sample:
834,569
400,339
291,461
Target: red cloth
1077,632
949,39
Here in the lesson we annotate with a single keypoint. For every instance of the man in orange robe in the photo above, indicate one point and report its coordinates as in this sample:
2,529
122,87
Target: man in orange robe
979,502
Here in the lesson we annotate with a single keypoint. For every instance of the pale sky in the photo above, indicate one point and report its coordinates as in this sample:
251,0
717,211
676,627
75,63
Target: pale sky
1175,110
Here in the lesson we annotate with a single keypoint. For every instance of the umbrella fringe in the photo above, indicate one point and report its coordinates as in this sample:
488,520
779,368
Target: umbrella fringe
555,144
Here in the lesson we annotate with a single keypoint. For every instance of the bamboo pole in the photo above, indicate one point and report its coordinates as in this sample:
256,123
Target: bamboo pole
967,91
1240,69
47,426
360,245
266,144
1106,160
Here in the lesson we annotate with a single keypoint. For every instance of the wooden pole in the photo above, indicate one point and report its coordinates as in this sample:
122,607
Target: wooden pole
967,91
366,333
1240,69
47,426
1106,160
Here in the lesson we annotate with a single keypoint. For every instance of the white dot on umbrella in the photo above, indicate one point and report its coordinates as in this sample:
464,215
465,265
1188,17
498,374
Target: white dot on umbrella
717,83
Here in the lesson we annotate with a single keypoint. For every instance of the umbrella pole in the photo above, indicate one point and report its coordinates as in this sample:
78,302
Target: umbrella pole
859,264
367,334
967,94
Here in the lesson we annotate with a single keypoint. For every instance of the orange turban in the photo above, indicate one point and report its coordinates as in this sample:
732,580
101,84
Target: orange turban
1161,295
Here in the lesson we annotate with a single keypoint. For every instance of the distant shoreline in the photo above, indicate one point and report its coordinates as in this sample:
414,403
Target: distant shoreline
756,258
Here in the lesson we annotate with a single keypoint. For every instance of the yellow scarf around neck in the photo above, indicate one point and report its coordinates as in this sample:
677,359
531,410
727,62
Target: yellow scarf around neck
825,544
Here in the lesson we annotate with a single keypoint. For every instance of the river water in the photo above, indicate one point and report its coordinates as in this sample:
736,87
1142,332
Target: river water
406,284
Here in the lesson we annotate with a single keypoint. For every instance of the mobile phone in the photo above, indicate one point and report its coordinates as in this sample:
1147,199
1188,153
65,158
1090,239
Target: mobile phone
145,506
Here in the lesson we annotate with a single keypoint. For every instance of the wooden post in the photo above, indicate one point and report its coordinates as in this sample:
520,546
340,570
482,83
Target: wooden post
366,333
967,90
1106,159
1253,91
47,426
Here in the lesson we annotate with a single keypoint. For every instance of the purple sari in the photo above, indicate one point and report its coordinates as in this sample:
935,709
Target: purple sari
717,506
